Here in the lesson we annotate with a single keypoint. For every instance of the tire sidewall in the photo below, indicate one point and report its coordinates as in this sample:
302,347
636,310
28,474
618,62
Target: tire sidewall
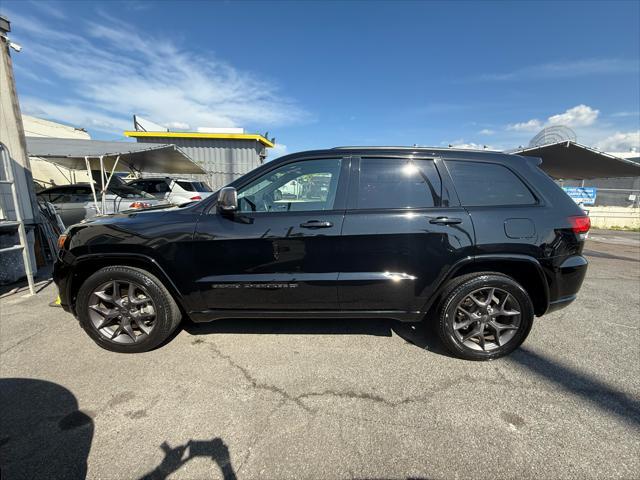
449,307
154,288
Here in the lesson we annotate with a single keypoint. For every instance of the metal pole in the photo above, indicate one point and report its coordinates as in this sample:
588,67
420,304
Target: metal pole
103,199
93,188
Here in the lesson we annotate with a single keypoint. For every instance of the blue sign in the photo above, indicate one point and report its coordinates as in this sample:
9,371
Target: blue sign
582,195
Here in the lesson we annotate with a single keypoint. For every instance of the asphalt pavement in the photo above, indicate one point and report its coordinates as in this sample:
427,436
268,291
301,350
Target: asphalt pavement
297,399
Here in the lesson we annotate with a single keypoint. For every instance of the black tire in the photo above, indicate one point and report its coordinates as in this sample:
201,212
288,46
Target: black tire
167,313
458,290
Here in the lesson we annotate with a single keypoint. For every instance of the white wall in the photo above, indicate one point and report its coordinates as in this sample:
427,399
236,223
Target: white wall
45,173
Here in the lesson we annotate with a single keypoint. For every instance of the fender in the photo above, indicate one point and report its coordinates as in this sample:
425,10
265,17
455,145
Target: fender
155,269
478,260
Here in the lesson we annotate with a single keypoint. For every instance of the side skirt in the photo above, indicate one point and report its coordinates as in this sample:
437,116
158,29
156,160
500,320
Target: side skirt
212,315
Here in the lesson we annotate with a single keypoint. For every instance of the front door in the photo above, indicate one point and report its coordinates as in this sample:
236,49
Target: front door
278,251
402,232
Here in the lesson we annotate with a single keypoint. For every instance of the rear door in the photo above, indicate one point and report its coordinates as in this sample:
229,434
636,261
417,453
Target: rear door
504,209
403,230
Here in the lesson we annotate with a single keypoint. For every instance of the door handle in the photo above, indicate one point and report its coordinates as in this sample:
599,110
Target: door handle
316,224
445,221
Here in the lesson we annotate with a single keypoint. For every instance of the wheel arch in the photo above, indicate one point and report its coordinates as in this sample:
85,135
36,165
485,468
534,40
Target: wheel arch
525,270
87,265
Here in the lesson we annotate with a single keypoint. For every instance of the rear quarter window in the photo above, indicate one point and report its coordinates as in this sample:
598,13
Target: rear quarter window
488,184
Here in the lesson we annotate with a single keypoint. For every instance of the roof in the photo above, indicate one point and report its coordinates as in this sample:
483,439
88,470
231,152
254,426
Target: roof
571,160
421,148
220,136
149,157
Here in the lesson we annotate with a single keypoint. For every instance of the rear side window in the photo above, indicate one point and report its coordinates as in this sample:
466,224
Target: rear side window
188,186
483,184
194,186
398,183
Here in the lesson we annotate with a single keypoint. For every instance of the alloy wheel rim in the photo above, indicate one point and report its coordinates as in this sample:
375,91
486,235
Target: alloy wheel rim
122,311
487,319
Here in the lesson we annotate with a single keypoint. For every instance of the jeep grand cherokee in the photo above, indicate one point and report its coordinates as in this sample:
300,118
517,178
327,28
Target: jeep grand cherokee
481,242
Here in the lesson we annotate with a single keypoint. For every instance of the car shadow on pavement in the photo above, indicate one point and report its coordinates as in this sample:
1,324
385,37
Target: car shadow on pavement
603,396
176,457
43,434
421,335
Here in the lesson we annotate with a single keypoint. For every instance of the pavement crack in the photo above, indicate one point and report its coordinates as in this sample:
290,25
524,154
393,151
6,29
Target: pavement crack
20,342
348,394
255,383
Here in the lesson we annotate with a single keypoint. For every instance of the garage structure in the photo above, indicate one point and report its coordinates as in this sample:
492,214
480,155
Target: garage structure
224,154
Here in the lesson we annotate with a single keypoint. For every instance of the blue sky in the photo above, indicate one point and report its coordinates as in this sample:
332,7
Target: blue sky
336,73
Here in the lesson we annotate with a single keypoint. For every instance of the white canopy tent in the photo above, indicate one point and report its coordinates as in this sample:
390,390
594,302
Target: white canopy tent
109,157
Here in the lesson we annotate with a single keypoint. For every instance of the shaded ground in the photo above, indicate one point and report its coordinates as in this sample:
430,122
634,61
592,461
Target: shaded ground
330,399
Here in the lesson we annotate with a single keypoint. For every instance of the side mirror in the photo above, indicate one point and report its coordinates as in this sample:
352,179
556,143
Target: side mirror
228,200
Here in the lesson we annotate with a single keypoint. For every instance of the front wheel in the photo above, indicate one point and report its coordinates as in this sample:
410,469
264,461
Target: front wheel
126,309
485,316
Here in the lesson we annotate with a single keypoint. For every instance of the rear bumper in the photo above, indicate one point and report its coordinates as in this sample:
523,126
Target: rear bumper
565,281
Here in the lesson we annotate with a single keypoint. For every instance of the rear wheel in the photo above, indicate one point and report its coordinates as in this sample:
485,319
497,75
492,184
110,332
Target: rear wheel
484,316
126,309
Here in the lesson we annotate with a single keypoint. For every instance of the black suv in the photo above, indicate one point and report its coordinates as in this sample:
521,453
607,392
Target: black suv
479,241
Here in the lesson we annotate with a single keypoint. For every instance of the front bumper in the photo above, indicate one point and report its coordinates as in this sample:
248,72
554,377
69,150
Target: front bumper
62,276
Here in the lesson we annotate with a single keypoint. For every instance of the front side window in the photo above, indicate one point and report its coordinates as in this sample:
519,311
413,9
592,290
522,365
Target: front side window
296,187
398,183
485,184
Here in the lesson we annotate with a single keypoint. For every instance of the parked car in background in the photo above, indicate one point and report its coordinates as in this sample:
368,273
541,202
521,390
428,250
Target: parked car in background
173,190
74,202
478,242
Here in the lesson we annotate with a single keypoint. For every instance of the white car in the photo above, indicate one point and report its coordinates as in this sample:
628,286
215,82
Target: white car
75,202
173,190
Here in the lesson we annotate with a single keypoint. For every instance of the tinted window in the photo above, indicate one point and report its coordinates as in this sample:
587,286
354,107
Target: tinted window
301,186
126,191
58,194
480,184
194,186
396,183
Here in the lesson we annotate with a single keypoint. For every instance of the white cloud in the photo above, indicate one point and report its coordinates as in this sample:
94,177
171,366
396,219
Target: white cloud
53,9
597,66
532,125
76,114
177,125
486,131
578,116
620,142
279,150
626,114
112,71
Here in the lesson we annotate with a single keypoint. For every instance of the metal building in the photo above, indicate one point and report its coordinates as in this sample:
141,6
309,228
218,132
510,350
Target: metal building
224,156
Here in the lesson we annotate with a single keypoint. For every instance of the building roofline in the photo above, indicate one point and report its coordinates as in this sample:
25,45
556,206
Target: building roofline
219,136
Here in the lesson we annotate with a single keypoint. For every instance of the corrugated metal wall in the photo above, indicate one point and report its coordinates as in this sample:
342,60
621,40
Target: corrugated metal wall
223,160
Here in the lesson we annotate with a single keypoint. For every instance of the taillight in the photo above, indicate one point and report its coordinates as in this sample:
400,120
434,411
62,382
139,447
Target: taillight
197,197
140,205
62,239
580,224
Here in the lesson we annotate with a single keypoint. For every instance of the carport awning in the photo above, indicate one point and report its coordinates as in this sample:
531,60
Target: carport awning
147,157
568,159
